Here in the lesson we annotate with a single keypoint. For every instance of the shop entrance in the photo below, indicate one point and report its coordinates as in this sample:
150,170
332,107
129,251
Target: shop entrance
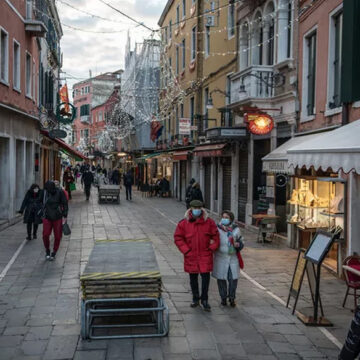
226,200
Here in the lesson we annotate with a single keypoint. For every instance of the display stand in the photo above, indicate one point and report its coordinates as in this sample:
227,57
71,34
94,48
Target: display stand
315,254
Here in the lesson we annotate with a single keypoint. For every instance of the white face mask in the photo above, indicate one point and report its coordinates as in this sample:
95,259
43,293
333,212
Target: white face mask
36,190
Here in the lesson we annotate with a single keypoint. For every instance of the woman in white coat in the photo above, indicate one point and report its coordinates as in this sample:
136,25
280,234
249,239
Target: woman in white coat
226,259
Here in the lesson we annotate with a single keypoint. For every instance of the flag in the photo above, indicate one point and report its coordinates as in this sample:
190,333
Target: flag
156,130
64,98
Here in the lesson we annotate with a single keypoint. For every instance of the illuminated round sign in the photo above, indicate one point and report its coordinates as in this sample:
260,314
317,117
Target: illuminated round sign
65,113
259,124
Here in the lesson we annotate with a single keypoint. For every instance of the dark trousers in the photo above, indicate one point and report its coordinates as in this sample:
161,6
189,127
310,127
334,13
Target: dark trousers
224,290
128,192
87,191
29,227
205,281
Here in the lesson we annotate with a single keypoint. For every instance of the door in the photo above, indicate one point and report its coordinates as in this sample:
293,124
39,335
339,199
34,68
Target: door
226,199
243,185
207,182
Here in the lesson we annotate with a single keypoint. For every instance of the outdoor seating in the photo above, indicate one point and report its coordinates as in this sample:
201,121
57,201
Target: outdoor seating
352,279
266,226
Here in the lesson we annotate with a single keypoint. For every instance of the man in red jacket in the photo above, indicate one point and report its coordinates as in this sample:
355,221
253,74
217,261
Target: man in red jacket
197,237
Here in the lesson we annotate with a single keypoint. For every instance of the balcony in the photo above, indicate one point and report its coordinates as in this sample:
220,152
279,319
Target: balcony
253,83
85,119
35,28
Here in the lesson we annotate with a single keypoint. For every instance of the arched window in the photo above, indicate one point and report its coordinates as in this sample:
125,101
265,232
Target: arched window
285,22
269,34
257,39
244,46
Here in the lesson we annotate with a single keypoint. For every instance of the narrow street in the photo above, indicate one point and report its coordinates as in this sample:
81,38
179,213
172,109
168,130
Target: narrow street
39,300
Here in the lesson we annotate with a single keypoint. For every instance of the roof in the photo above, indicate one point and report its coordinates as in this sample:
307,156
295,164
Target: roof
336,149
165,11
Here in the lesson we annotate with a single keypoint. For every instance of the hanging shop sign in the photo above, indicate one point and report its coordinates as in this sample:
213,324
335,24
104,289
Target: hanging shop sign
65,113
259,124
184,126
58,133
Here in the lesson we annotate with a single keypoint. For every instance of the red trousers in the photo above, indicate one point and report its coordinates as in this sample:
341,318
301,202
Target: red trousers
48,226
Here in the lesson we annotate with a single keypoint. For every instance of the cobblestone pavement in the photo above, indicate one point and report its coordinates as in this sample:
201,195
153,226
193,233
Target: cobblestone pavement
39,300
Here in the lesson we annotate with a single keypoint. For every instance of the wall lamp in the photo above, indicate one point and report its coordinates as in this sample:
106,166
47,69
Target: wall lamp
210,104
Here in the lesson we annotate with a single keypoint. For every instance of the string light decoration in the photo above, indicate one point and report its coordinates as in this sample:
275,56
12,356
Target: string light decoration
105,142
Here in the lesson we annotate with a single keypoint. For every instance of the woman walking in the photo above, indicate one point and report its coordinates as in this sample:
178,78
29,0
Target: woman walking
68,179
227,259
32,205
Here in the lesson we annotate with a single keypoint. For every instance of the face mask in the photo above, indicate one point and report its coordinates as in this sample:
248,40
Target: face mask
196,212
36,190
225,222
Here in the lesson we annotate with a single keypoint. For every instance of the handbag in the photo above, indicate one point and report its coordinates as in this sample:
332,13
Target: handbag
66,229
72,186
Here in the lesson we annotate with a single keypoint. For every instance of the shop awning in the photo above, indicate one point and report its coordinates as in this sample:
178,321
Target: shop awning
65,148
277,160
337,149
180,155
209,150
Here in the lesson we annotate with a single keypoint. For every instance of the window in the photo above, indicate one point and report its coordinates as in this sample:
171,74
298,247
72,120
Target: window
29,9
183,54
212,6
100,116
82,91
177,119
309,73
166,35
231,19
170,29
207,41
335,61
244,46
73,139
193,43
270,45
28,74
4,56
86,133
33,80
257,40
85,110
289,29
16,66
184,8
192,110
206,111
177,60
177,15
181,111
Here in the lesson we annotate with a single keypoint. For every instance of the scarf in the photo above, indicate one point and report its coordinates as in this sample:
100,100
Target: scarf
231,242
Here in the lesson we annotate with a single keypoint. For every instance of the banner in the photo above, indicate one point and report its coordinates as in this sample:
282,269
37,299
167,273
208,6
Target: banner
64,98
156,130
184,126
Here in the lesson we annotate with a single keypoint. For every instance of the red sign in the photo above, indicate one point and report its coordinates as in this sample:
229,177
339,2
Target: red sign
259,124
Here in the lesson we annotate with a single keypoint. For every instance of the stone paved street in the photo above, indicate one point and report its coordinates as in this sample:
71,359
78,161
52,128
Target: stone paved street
39,300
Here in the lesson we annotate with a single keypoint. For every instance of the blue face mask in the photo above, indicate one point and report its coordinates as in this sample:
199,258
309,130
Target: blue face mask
225,222
196,212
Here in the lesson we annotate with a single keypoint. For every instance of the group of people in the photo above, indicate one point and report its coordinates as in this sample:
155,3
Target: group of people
48,206
207,248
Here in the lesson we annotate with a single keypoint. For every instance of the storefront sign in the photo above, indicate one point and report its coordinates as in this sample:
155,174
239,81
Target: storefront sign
184,126
259,124
58,133
226,133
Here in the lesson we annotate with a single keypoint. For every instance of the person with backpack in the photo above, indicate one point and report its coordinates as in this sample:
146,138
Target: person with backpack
31,205
55,211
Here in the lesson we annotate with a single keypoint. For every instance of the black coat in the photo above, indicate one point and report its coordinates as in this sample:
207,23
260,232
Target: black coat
87,178
31,204
115,175
56,205
196,194
128,180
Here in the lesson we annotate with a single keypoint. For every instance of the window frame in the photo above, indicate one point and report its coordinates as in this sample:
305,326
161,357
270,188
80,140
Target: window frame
17,69
231,18
33,80
193,43
28,75
177,55
207,41
177,16
170,29
4,80
183,54
183,9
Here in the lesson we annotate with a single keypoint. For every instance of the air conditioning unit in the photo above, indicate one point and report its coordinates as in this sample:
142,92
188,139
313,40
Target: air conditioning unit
202,139
209,20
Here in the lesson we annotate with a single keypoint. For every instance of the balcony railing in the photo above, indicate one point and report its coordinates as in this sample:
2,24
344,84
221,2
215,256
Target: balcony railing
85,119
254,82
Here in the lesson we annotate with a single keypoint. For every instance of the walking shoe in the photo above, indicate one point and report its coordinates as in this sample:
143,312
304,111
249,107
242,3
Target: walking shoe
195,303
223,302
47,256
28,238
34,236
232,302
206,305
52,256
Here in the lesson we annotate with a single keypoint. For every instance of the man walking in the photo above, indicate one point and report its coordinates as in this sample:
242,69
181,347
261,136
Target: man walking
116,176
87,180
197,237
128,183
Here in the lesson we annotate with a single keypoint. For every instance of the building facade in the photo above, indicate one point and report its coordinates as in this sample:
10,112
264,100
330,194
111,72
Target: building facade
29,57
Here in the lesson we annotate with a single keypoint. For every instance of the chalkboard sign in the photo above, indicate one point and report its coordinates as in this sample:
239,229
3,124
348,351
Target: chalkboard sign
319,247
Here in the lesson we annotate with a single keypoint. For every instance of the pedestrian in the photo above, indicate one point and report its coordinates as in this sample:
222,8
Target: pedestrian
351,348
226,259
55,211
128,183
68,180
197,237
57,185
32,205
196,193
188,193
110,176
116,176
87,179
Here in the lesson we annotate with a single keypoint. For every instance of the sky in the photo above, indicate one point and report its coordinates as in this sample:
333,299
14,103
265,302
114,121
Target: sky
101,52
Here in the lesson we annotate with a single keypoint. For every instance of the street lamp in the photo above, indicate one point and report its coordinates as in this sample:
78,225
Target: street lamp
210,103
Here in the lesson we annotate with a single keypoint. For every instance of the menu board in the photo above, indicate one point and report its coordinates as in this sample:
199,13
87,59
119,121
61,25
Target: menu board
319,247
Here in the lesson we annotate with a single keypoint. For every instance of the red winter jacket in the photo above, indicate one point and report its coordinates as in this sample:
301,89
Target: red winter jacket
192,237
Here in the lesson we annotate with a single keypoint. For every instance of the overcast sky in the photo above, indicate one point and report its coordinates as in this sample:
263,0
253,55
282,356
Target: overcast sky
102,52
